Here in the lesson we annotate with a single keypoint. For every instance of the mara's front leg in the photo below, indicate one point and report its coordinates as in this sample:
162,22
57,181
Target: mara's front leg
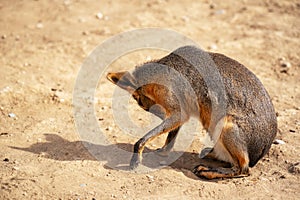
169,144
168,125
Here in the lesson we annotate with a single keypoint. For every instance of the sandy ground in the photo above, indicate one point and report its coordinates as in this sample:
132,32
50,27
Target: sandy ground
43,45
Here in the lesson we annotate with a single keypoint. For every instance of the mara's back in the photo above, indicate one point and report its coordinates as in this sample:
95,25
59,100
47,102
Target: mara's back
246,99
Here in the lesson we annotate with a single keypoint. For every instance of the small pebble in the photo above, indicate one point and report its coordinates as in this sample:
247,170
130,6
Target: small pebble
6,160
150,178
39,25
213,47
220,12
42,154
12,115
277,141
82,185
284,64
285,67
3,37
282,176
6,89
67,2
108,128
185,18
99,15
148,58
212,6
263,179
85,33
103,107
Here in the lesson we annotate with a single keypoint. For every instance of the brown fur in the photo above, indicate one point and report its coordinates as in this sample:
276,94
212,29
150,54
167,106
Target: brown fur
185,84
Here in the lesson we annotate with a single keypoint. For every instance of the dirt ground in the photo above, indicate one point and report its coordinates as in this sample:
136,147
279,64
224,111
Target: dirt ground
43,45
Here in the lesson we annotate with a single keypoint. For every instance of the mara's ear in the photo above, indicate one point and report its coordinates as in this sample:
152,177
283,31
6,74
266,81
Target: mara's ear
123,79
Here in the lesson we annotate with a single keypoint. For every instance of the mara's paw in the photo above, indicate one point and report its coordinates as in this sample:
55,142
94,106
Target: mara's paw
199,171
213,173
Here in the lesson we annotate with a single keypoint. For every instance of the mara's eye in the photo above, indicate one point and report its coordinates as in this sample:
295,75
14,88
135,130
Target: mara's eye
138,99
140,102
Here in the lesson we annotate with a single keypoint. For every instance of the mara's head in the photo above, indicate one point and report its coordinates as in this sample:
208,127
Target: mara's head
148,96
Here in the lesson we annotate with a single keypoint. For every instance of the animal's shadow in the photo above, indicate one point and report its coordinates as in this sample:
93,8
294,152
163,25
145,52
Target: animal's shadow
116,156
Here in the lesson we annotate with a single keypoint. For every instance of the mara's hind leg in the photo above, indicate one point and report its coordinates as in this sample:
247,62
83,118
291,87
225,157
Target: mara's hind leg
169,144
230,148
